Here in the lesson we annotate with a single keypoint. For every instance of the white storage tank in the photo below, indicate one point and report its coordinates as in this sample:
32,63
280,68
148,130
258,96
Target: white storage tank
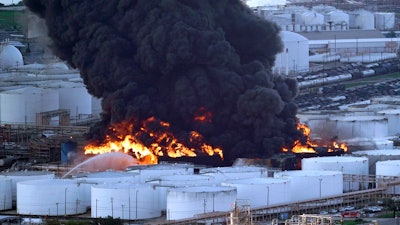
21,105
24,176
235,172
191,201
50,197
10,56
375,156
294,57
87,180
344,164
384,20
150,172
312,18
338,17
261,191
312,184
164,183
358,144
125,201
348,127
393,116
386,169
6,193
362,19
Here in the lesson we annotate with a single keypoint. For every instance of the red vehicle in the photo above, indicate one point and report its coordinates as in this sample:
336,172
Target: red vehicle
351,214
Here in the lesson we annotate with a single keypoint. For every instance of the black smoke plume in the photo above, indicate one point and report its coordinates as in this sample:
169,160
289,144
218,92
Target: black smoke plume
171,59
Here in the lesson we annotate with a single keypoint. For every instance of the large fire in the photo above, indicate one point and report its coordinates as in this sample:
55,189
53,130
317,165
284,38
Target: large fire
310,146
160,142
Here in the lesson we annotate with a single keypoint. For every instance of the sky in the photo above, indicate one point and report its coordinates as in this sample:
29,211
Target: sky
8,2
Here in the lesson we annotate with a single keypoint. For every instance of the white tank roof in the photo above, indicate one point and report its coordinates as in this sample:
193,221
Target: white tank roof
288,36
386,152
10,56
358,118
388,168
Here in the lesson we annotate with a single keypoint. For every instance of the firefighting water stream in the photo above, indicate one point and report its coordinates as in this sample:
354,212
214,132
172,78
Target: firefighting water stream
108,161
185,77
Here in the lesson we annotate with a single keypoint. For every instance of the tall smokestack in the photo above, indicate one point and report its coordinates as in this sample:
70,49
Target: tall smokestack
173,59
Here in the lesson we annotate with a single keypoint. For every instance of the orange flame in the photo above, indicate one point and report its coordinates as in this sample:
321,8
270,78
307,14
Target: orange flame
309,146
202,115
163,142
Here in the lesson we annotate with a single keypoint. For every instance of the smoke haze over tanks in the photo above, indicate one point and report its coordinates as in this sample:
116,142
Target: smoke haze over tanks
175,59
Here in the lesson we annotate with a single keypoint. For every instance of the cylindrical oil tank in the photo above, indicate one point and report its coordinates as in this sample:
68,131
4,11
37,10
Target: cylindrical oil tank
384,20
164,183
376,155
366,109
150,172
5,193
68,152
393,116
345,164
23,176
125,201
337,17
348,127
312,18
234,172
261,191
30,101
362,19
49,197
312,184
191,201
386,172
358,144
87,180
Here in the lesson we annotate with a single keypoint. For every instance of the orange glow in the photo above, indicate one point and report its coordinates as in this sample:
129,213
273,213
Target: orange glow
162,143
309,146
202,115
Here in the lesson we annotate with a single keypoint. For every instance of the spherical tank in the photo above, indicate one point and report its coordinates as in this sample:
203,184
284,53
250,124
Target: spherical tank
235,172
150,172
24,176
191,201
393,116
125,201
21,105
49,197
10,56
348,127
375,156
311,184
261,191
345,164
164,183
87,180
6,193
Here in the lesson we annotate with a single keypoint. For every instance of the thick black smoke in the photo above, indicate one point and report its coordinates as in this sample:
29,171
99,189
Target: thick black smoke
172,59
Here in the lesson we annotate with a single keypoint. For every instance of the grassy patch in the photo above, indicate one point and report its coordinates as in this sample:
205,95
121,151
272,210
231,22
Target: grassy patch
11,20
368,80
355,222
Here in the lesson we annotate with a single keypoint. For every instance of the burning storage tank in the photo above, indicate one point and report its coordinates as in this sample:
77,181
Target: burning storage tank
348,127
87,180
188,202
311,184
6,193
24,176
261,191
150,172
386,172
50,197
344,164
374,156
235,172
126,201
164,183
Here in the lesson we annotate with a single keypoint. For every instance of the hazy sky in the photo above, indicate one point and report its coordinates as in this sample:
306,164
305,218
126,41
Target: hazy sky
8,2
